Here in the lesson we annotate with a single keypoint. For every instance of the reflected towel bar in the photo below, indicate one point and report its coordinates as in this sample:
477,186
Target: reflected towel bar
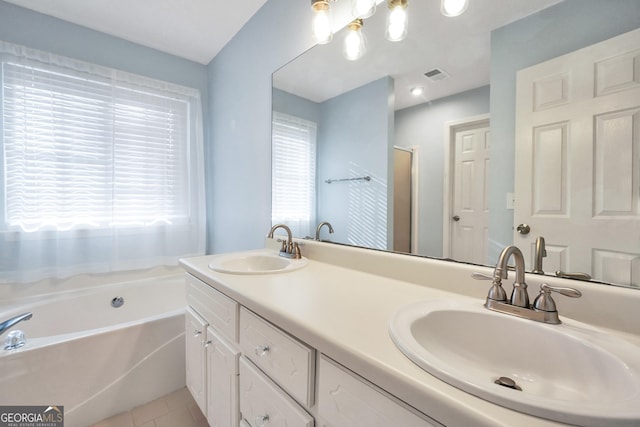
363,178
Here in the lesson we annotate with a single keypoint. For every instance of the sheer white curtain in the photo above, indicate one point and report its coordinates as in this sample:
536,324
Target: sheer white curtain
293,180
102,169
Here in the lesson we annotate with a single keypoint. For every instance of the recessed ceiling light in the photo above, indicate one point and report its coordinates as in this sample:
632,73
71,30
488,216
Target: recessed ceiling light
417,91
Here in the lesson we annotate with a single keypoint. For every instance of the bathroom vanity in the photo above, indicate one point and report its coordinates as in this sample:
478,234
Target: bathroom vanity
310,346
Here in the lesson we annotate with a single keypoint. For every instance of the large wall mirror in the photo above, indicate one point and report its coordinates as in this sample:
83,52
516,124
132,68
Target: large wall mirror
527,127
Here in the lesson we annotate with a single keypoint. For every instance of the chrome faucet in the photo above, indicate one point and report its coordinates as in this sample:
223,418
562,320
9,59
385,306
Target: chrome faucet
290,249
543,308
541,252
320,227
10,322
519,295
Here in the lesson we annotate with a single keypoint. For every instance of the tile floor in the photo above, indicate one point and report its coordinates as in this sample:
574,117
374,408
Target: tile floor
177,409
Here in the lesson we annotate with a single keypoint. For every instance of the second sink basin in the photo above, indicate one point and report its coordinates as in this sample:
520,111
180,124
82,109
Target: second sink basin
261,262
570,373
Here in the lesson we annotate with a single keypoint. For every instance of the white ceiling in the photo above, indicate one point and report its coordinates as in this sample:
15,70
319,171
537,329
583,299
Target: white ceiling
193,29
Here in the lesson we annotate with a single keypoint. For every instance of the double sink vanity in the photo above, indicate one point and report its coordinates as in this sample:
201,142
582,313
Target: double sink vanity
344,336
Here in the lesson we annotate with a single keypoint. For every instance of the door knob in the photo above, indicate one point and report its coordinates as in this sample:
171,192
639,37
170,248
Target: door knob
456,218
523,229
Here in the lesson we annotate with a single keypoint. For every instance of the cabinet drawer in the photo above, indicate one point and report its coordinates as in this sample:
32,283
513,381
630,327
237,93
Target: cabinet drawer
263,404
286,360
220,311
345,400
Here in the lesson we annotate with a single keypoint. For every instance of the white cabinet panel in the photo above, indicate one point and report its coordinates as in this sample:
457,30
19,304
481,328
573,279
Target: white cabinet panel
285,359
263,404
195,335
222,381
346,401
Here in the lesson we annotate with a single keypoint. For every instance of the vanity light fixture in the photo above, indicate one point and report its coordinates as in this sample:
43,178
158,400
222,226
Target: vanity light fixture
322,24
355,44
453,8
397,20
363,8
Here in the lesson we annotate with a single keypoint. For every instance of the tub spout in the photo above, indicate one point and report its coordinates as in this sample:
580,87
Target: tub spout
10,322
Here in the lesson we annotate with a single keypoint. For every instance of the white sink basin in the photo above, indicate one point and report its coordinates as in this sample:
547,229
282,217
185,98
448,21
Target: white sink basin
571,373
263,262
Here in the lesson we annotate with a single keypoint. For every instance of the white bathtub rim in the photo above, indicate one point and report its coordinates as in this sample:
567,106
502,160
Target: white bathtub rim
40,342
29,293
16,307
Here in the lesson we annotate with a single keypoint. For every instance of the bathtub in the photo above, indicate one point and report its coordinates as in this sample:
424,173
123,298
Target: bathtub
95,359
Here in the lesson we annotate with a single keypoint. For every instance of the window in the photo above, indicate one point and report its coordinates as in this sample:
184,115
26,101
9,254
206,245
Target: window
294,173
102,169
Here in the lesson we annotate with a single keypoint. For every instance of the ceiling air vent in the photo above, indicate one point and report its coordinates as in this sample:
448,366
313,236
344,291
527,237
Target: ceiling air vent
436,74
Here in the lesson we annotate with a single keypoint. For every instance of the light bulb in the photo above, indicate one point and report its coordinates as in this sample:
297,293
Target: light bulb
453,7
417,91
354,42
321,24
397,21
363,8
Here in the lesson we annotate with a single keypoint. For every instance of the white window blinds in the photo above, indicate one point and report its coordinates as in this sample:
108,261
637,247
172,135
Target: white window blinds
102,170
87,153
294,173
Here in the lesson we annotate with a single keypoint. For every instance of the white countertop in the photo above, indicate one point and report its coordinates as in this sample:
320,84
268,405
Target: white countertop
344,313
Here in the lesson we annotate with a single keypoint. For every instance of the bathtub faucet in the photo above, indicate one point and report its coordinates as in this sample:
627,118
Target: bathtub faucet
9,323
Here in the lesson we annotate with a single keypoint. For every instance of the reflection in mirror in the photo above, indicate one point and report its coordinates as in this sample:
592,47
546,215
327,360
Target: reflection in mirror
471,189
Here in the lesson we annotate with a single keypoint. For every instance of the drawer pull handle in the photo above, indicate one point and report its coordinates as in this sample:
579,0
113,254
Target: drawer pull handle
262,350
196,332
206,343
261,421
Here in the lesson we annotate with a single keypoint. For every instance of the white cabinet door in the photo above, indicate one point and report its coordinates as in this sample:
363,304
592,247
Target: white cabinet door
195,335
264,404
222,376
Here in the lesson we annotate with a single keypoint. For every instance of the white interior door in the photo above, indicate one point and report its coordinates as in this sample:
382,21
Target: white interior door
578,160
469,213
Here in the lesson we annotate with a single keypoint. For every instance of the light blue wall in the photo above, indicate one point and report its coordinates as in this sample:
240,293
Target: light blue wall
239,160
423,126
561,29
287,103
353,141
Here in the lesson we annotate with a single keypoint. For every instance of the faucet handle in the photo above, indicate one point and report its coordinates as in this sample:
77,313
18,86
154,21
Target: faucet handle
544,302
296,251
496,292
579,276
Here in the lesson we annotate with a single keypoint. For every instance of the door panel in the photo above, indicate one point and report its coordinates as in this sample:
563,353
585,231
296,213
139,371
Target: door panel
469,227
577,164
